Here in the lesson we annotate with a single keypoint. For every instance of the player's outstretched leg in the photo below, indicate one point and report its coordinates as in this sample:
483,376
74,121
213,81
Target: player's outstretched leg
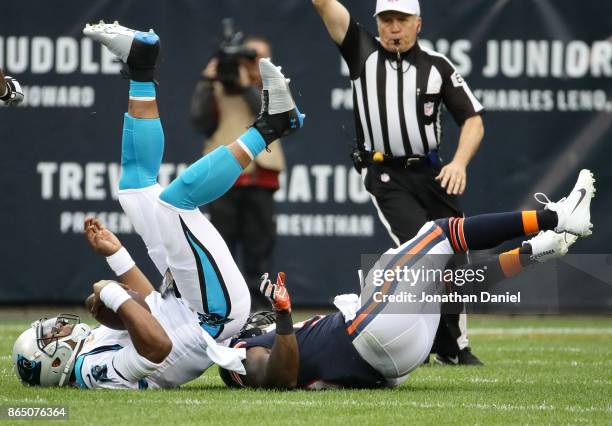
143,136
142,143
559,226
214,174
571,215
205,273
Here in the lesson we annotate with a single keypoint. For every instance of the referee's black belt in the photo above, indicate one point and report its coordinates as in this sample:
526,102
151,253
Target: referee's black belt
374,158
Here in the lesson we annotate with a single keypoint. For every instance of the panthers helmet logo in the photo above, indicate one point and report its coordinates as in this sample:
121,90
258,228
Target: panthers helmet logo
29,371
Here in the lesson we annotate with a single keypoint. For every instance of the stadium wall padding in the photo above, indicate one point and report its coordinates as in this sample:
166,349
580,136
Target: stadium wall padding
542,69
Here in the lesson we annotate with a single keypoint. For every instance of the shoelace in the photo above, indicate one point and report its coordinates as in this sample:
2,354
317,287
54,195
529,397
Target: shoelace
542,198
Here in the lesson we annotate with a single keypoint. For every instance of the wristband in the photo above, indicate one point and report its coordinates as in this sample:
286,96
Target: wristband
284,323
120,262
113,296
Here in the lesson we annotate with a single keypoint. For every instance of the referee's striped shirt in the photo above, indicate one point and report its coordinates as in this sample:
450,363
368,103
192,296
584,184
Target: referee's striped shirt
397,103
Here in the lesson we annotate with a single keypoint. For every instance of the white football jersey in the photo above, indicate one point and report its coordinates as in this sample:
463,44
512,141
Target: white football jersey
100,364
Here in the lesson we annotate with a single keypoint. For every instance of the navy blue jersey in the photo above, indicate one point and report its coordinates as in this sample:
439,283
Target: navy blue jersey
326,354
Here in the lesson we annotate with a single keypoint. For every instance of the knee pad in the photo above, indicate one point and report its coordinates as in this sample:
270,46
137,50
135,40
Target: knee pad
142,149
204,181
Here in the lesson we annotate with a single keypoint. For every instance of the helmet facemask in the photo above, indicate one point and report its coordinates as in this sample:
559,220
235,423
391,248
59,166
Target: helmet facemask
45,357
257,324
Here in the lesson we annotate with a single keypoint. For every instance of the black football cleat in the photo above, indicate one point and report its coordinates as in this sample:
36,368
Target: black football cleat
138,50
464,357
279,116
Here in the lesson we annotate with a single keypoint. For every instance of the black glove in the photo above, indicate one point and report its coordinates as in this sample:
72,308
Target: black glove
14,93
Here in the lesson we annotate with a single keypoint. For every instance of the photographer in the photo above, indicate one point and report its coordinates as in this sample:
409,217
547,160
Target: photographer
226,101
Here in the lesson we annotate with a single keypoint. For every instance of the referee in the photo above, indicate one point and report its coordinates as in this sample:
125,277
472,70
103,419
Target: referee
398,91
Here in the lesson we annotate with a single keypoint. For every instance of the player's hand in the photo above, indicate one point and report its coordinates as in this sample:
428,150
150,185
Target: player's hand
453,178
210,72
276,293
244,78
99,285
93,302
101,240
14,94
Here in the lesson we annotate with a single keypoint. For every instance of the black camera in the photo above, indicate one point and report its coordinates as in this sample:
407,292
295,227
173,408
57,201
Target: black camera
231,52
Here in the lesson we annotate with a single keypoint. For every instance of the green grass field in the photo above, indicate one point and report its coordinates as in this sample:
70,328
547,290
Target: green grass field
538,370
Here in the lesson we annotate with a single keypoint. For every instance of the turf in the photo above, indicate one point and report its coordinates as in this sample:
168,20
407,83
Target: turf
538,370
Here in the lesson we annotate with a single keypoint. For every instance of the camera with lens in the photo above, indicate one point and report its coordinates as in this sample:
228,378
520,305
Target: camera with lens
231,52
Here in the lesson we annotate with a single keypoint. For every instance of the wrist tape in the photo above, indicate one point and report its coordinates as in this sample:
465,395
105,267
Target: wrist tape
113,296
120,262
284,323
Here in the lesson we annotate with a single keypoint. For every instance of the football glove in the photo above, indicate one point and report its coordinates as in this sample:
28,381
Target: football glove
14,93
276,293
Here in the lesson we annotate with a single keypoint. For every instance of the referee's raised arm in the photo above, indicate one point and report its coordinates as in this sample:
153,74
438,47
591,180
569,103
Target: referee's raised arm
335,17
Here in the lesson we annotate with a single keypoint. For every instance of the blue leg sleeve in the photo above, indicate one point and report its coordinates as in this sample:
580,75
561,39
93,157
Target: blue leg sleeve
253,141
204,181
142,89
142,149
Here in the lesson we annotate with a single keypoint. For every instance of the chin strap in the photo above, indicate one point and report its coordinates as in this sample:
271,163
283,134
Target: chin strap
80,341
68,369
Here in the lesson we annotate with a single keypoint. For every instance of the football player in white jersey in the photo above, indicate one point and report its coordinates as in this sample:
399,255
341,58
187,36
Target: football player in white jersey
158,339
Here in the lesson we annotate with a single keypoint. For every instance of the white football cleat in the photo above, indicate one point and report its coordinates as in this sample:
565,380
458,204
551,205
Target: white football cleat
574,211
117,38
570,239
279,115
277,86
138,49
549,245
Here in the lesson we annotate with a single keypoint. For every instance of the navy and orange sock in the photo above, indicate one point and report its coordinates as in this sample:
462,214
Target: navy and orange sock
512,262
490,230
502,266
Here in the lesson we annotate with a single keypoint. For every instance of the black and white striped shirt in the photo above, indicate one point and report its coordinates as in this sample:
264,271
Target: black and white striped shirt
397,107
